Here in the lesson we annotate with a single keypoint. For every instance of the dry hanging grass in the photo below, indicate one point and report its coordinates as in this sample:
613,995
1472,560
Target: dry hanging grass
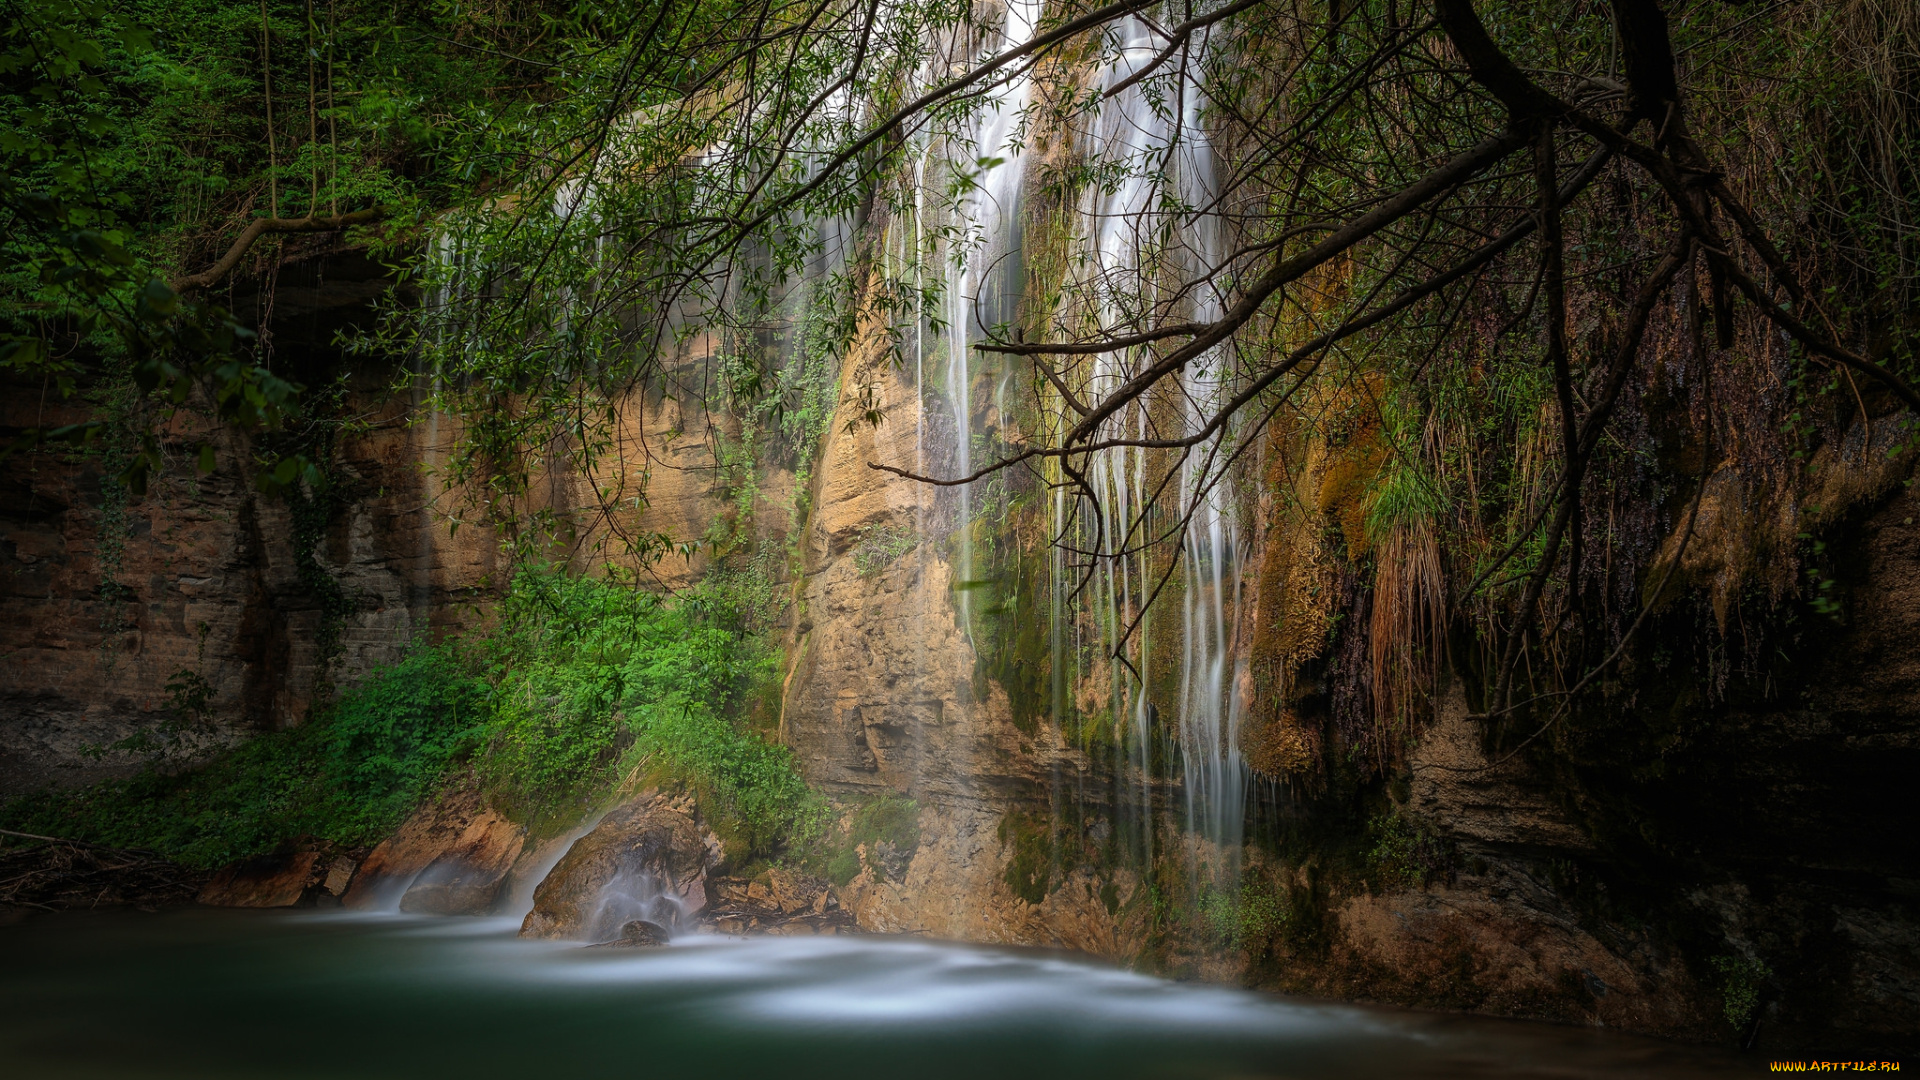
1408,626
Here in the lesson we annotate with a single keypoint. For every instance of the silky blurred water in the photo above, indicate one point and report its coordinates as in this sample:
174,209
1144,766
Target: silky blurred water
209,993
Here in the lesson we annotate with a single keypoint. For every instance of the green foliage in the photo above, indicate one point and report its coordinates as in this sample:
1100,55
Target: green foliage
1405,491
743,590
880,546
1406,854
1741,980
386,744
583,682
595,678
1248,919
349,775
749,790
1819,575
136,138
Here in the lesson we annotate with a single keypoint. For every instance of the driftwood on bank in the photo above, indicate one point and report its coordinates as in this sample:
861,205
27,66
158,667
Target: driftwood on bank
53,873
259,227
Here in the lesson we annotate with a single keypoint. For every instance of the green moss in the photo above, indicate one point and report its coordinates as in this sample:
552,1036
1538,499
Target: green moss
1247,919
1011,622
843,866
886,819
1030,841
889,818
1741,980
1406,854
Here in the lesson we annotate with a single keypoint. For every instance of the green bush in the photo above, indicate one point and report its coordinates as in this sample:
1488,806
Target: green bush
580,683
349,775
593,678
388,742
749,790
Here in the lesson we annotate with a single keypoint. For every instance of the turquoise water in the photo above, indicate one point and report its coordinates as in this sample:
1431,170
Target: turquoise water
207,993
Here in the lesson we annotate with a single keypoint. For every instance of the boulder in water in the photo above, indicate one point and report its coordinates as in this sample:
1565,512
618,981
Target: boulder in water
449,858
638,934
281,879
304,872
647,860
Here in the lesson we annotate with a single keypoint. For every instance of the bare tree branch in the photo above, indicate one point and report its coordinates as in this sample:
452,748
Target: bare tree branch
259,227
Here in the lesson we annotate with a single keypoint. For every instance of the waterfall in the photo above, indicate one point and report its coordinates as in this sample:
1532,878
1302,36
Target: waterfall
1140,241
1141,253
1143,242
981,256
1215,774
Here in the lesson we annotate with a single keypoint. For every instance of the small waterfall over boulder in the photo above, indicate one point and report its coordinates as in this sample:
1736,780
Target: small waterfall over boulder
647,861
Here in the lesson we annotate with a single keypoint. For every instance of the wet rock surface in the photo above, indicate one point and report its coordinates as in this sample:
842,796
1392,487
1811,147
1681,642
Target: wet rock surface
469,878
278,880
646,860
638,934
451,857
780,902
302,874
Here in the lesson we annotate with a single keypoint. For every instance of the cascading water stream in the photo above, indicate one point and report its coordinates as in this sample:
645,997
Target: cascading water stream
1143,238
1215,773
983,242
1140,238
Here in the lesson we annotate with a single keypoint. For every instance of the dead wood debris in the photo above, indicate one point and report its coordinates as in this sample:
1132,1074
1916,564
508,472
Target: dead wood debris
53,874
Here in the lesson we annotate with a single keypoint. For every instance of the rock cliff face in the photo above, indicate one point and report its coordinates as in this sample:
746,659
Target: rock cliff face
106,598
1685,852
883,697
1763,844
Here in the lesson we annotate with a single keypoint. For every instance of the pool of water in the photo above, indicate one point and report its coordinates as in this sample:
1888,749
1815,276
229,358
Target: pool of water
207,993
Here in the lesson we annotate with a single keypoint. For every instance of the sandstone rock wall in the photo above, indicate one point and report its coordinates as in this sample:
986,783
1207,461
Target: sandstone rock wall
882,696
206,582
106,598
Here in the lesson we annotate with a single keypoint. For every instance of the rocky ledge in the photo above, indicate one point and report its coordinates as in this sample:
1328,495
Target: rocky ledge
779,902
